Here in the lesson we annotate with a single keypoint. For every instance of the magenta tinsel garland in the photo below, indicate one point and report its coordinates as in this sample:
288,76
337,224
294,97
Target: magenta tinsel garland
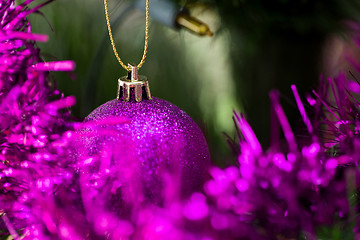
282,193
33,129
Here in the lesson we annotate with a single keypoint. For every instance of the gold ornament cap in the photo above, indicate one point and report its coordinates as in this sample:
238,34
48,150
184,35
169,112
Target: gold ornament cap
135,83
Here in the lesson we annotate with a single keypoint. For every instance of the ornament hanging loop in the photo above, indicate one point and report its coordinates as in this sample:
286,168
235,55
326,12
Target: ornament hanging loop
133,86
142,61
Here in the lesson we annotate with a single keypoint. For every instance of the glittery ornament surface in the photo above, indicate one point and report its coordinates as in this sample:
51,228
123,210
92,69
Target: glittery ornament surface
159,136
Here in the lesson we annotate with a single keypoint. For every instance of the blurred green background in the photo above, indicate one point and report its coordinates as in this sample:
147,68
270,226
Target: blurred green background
258,45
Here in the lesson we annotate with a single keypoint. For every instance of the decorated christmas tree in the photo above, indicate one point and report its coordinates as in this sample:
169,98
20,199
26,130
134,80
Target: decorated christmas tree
138,167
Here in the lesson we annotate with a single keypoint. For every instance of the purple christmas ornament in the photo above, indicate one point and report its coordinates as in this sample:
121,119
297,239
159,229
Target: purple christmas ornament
138,149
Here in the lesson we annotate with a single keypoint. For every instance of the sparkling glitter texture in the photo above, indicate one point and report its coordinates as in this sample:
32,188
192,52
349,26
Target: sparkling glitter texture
154,142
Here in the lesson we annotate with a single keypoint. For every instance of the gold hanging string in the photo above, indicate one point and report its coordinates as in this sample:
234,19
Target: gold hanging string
112,38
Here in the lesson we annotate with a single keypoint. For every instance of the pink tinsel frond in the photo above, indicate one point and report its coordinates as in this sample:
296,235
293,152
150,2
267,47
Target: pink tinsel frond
34,132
